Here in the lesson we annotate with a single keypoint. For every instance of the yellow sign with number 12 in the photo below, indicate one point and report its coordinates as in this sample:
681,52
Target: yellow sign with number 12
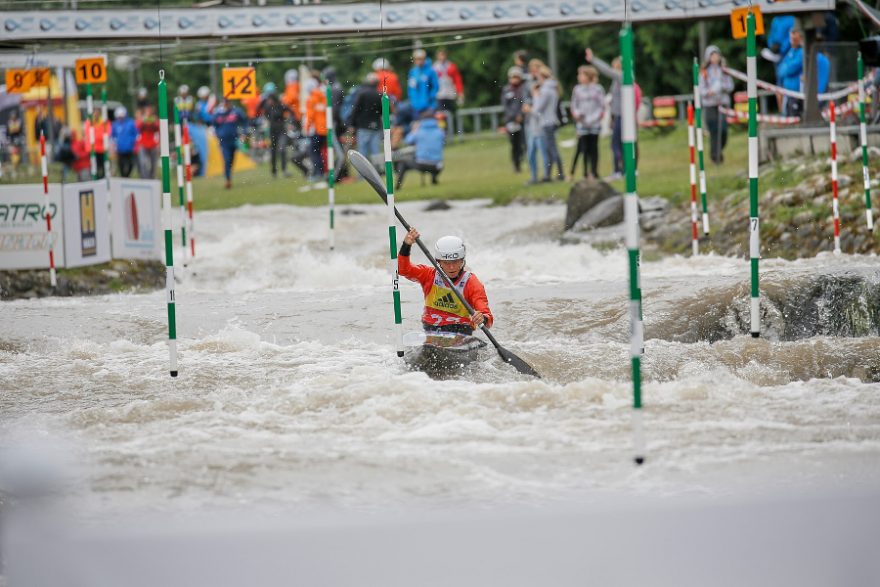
239,83
738,22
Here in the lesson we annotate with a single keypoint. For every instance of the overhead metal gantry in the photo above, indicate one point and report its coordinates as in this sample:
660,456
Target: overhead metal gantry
362,19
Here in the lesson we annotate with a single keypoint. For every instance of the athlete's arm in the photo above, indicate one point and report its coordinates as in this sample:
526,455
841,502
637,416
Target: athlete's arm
475,294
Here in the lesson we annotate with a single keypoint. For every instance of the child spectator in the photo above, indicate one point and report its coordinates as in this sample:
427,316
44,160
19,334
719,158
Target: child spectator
587,109
429,139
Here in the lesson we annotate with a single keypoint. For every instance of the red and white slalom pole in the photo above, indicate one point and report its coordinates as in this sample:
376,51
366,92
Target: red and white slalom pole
187,161
44,165
695,231
834,201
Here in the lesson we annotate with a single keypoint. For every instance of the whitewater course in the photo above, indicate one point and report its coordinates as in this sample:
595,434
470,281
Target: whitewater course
292,404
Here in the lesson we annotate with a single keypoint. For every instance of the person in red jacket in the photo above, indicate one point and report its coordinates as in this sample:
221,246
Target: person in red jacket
443,310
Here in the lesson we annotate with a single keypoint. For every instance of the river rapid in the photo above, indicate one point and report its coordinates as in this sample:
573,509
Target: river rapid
290,394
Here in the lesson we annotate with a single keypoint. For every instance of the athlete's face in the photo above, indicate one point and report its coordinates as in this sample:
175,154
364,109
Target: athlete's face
452,268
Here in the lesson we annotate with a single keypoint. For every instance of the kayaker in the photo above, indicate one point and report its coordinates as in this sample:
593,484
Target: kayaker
443,310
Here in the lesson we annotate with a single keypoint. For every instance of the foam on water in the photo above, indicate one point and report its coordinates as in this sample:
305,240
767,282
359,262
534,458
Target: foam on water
290,391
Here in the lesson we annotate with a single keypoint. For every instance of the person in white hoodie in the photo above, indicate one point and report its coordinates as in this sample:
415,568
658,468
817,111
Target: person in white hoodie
715,89
587,110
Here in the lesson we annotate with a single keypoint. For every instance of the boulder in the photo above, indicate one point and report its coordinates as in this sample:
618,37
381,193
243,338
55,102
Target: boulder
652,212
584,195
607,212
436,205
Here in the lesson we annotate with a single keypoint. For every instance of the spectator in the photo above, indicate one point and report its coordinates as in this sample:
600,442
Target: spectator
790,70
125,135
276,114
513,97
291,96
228,121
102,129
545,98
65,155
587,110
184,102
15,129
450,91
366,116
521,60
422,83
534,138
316,127
429,139
388,81
778,39
81,155
204,105
614,72
142,99
148,155
715,88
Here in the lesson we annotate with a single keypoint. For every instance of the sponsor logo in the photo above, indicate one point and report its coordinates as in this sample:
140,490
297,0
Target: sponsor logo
447,302
88,232
18,215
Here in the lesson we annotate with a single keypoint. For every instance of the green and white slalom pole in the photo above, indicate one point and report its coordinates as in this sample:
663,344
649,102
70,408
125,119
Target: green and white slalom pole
698,118
331,170
165,153
631,227
104,121
90,114
180,185
392,226
754,221
863,134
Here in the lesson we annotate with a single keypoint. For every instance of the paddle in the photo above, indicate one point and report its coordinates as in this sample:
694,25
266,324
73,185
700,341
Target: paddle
369,173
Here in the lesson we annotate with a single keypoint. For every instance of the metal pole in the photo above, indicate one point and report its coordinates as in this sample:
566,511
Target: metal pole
551,51
754,222
631,223
392,224
165,152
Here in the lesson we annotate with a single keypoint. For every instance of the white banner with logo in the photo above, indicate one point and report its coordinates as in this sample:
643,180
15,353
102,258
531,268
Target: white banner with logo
24,241
137,222
86,224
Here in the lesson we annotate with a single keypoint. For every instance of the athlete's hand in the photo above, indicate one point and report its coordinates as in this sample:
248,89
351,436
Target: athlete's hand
411,236
477,319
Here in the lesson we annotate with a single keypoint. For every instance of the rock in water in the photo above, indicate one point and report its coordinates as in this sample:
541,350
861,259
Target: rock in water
437,205
584,195
607,212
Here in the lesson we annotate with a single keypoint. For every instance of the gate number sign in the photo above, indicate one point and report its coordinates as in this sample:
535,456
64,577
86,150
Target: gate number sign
738,21
239,83
91,71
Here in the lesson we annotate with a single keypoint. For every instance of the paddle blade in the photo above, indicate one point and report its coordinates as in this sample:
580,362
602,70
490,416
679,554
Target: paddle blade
369,173
516,362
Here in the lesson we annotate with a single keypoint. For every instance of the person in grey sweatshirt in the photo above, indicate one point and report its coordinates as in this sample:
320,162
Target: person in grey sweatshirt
587,110
546,100
715,89
614,72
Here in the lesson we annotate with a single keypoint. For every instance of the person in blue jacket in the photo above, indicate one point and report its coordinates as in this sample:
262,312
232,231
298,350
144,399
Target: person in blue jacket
790,70
422,83
227,122
125,136
429,140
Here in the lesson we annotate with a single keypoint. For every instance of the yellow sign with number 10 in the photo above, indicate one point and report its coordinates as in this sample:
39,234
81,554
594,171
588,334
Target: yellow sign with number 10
91,71
738,22
239,83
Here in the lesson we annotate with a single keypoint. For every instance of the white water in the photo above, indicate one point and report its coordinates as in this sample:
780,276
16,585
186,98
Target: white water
290,393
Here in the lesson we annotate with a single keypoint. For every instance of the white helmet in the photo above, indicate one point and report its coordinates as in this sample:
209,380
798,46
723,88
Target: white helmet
380,64
449,248
120,112
203,92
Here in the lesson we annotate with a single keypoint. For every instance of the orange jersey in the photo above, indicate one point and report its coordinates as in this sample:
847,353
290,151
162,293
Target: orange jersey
316,111
102,129
251,106
291,98
441,305
388,82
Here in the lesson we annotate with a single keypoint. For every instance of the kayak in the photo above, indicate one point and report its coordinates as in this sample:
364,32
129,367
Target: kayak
442,354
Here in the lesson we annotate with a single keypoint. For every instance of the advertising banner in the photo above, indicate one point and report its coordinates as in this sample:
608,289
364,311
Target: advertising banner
86,223
137,222
24,242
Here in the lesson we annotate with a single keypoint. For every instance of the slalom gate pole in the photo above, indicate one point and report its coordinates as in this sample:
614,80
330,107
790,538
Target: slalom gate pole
754,222
165,153
44,166
631,224
178,163
90,114
104,122
695,234
698,117
863,134
187,161
834,201
331,171
392,228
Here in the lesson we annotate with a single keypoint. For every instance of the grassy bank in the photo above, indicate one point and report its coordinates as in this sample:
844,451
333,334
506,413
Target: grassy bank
481,168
